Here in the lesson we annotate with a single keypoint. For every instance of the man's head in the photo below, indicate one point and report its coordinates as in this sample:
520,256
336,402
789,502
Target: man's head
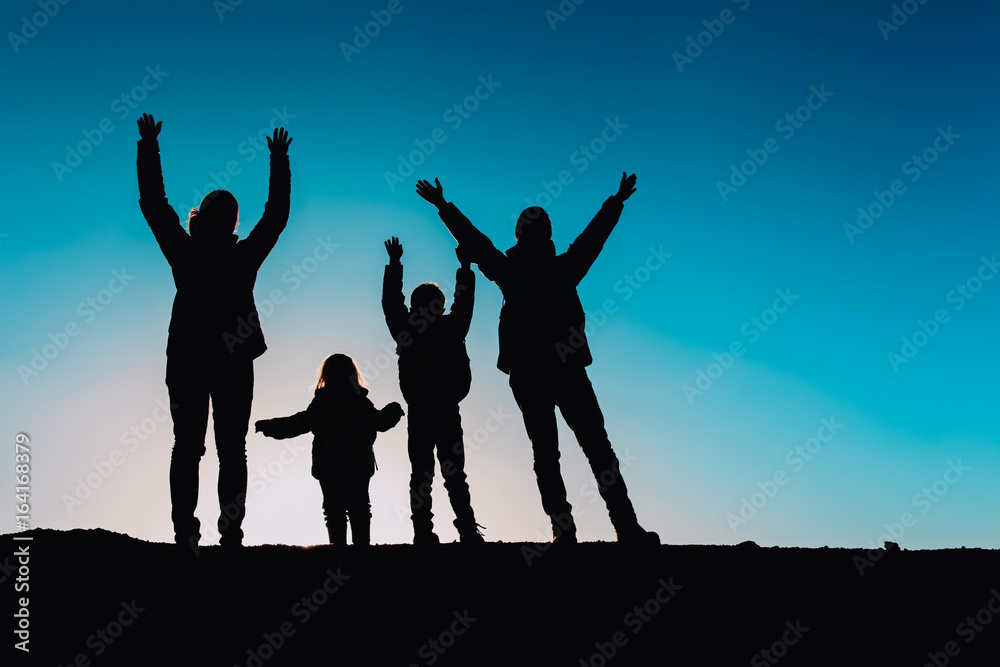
533,226
217,216
427,299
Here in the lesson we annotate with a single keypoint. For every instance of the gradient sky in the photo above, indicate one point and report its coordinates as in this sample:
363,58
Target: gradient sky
912,442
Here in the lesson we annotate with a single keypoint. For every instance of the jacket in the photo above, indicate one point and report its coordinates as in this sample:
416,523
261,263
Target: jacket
433,360
344,425
542,320
214,313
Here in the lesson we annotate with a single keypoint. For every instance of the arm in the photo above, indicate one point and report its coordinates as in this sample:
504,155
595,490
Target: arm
480,249
588,245
265,233
393,300
159,215
285,427
388,416
465,293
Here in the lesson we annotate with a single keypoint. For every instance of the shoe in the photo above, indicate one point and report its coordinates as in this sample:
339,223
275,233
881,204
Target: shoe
473,536
188,547
636,536
428,539
564,539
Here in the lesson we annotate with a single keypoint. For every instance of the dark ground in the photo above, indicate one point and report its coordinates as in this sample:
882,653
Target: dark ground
101,598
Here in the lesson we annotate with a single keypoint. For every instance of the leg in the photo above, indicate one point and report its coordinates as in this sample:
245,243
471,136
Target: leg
534,396
420,447
360,509
579,407
232,395
451,456
334,510
188,392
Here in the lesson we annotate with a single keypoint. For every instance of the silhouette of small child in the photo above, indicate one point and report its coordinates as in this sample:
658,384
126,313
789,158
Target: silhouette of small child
344,423
434,376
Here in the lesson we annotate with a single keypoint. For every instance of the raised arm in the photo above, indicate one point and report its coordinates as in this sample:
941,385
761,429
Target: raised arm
265,233
588,245
393,300
159,215
465,293
480,249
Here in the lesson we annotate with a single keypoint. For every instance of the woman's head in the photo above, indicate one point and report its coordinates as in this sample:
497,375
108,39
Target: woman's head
217,217
533,225
339,371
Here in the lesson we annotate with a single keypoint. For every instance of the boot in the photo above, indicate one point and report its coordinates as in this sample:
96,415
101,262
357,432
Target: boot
361,527
425,538
337,530
636,535
563,529
469,532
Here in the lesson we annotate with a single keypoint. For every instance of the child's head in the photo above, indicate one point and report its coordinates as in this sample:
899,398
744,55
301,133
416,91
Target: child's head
339,371
217,216
533,225
427,299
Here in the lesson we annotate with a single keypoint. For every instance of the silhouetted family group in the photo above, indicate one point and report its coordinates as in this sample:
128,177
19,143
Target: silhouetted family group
215,335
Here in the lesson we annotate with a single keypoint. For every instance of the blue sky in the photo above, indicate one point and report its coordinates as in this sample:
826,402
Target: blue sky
757,131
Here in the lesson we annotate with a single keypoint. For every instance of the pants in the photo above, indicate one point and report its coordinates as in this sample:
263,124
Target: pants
228,383
537,392
346,495
440,426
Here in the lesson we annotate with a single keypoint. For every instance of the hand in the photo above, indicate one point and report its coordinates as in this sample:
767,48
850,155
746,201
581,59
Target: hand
398,409
262,427
148,128
463,256
395,250
434,195
626,188
279,145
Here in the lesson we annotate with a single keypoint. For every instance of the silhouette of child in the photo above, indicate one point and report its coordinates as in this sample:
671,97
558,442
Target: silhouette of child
344,423
434,376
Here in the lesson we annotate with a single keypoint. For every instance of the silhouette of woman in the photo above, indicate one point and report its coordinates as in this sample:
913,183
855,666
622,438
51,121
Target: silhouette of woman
214,333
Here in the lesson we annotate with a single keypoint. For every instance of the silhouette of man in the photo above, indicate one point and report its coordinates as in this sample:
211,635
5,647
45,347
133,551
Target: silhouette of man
434,376
543,348
214,333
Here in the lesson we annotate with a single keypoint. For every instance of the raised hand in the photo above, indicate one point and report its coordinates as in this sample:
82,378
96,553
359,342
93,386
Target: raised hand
434,195
395,250
279,145
626,188
463,256
148,128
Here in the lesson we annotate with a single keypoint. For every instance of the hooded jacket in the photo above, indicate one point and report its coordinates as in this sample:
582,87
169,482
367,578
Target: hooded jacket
433,361
542,320
344,424
214,314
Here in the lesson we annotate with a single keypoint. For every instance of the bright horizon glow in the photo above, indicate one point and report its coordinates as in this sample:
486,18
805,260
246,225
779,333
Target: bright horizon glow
583,100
